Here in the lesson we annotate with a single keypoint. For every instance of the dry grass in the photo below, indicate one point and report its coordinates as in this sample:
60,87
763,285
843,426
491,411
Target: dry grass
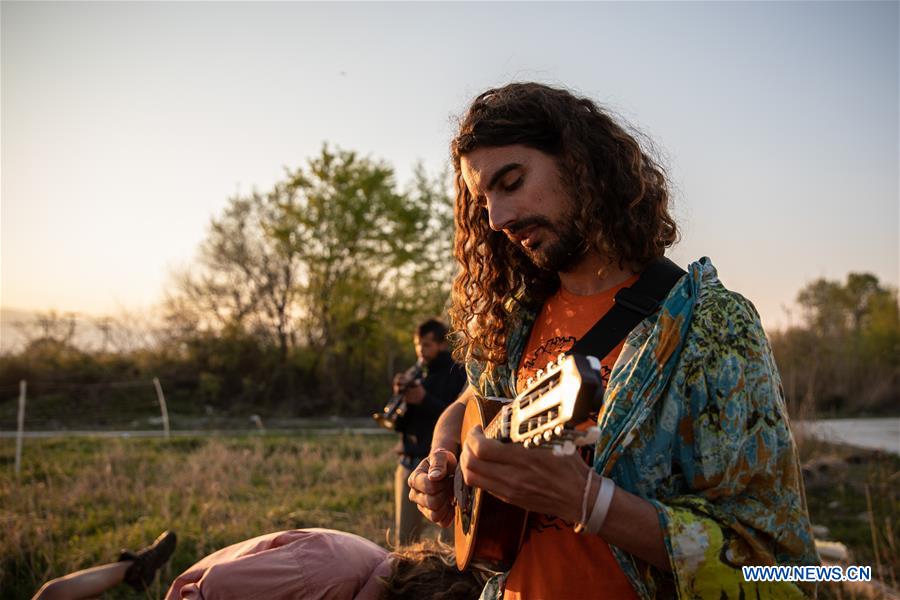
78,501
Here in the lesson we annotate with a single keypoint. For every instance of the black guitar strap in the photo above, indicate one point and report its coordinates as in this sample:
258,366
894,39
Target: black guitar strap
632,305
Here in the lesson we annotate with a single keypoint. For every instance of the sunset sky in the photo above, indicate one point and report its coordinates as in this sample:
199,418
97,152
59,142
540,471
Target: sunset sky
126,126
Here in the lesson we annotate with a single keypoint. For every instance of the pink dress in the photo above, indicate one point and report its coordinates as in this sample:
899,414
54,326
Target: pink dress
296,564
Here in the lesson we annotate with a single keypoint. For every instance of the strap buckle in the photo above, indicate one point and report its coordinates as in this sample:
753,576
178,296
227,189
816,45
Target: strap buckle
636,302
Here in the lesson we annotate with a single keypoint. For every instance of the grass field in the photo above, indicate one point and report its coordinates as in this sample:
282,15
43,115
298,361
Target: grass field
78,500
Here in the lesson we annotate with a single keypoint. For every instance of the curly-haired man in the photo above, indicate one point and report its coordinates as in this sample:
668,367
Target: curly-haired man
558,208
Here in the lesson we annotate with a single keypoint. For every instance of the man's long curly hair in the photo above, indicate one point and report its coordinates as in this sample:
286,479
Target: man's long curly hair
620,195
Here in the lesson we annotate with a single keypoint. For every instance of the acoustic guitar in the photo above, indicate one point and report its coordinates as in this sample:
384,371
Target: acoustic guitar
542,417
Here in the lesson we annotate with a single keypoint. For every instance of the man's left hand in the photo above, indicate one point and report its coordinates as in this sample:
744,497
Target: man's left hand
532,478
414,394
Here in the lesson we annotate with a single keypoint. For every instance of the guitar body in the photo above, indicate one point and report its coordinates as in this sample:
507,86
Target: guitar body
485,528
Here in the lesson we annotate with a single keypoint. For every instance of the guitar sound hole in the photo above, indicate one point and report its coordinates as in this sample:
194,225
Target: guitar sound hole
464,497
466,511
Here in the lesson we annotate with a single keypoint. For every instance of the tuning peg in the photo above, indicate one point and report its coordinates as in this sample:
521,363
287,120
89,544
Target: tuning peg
536,440
558,430
560,359
548,435
551,366
539,374
527,443
530,382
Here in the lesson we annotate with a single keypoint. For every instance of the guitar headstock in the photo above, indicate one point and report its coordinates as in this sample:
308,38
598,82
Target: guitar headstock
558,398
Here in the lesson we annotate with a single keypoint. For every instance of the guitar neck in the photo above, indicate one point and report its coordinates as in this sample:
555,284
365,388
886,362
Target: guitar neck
495,429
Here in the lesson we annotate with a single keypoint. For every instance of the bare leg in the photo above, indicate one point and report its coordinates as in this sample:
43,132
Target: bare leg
87,583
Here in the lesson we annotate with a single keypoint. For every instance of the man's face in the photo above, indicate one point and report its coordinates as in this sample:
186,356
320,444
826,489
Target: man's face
427,348
526,199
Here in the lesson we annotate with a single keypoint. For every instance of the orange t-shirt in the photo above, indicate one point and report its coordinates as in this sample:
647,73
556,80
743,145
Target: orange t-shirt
554,561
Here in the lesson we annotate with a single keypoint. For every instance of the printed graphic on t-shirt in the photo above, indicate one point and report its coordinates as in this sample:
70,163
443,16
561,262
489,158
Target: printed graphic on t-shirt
540,522
547,351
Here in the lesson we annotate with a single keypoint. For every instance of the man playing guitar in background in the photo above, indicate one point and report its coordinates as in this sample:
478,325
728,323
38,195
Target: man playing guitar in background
695,474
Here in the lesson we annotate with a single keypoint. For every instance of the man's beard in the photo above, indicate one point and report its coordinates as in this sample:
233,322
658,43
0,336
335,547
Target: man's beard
563,248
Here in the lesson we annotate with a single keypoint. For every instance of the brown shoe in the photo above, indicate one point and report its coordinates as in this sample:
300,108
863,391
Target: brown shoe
145,563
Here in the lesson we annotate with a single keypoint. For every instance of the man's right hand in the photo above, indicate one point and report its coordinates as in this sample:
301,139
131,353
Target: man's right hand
431,486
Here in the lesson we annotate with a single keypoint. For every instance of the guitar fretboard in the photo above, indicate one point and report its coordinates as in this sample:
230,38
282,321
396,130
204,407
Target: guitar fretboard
498,428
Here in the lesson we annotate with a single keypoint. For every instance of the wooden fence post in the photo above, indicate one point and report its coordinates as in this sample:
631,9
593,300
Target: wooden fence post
20,431
162,406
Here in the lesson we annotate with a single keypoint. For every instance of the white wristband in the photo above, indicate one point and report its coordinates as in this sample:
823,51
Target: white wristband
584,502
601,506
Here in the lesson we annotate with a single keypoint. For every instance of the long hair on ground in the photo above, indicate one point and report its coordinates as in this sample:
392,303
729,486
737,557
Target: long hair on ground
427,569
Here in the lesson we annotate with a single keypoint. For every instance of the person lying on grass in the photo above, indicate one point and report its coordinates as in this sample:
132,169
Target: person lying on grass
298,564
323,563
